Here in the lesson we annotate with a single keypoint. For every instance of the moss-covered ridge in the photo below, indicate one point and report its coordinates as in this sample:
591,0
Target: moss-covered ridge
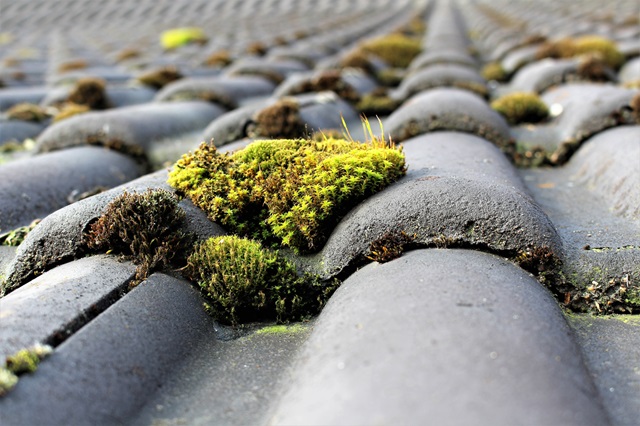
287,193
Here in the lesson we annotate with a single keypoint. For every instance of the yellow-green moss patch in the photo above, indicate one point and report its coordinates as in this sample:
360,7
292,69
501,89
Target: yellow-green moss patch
288,192
397,50
244,282
521,107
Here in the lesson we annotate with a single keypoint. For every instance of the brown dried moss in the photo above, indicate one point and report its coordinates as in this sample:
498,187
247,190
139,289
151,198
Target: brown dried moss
91,92
160,77
27,112
280,120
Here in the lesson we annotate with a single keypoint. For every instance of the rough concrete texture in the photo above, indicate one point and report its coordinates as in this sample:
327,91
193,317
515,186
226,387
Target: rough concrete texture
18,131
228,92
541,75
418,341
33,187
460,190
598,245
53,306
58,238
131,129
440,75
609,165
630,72
16,95
611,348
105,372
586,110
447,109
227,382
442,56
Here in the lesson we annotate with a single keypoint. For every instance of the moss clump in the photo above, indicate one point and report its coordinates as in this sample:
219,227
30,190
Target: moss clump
27,112
358,59
389,246
73,65
176,37
127,53
244,282
8,380
329,80
23,361
521,107
377,103
17,236
391,77
280,120
219,58
287,192
282,329
257,48
397,50
494,71
593,68
27,360
68,110
143,227
91,92
158,78
602,47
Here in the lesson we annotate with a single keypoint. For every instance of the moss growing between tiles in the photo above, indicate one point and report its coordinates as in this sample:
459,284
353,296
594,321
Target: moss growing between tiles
68,110
521,107
27,112
17,236
604,295
494,71
377,103
329,80
143,227
286,192
244,282
90,92
219,58
158,78
280,120
23,361
282,329
588,44
390,246
397,50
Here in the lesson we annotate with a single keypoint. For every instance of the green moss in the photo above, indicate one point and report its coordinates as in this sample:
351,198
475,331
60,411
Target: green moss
282,329
17,236
494,71
286,192
176,37
27,360
143,227
521,108
244,282
8,380
397,50
377,103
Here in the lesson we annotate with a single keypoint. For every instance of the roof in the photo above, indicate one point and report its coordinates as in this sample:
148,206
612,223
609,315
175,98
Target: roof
515,284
